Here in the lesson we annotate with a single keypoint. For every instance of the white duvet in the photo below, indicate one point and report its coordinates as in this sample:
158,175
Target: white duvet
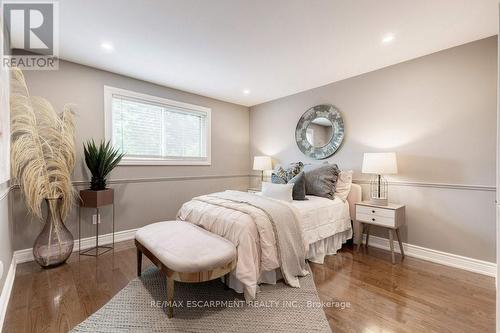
256,245
321,218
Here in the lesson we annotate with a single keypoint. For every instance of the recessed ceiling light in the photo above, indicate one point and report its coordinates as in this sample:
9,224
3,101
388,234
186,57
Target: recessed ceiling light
246,91
106,46
388,38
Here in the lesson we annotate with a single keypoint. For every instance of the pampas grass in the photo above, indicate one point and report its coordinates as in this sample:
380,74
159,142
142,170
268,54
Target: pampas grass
43,148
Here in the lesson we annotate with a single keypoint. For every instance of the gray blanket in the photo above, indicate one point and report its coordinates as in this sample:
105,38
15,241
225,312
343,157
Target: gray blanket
287,231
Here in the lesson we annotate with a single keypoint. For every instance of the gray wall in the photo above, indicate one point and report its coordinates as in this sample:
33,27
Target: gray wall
5,233
144,194
438,113
5,229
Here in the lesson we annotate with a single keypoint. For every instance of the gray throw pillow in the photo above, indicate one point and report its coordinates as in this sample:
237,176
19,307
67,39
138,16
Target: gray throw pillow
321,180
299,186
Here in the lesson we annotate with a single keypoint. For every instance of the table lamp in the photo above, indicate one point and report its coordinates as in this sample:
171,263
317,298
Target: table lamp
379,164
262,163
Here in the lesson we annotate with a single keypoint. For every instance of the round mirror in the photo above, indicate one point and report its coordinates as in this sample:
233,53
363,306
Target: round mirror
320,131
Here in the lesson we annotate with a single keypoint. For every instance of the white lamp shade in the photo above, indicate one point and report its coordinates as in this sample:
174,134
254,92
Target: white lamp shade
380,163
262,163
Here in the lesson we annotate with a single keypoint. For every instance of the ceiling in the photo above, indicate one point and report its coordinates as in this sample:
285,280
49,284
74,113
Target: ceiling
253,51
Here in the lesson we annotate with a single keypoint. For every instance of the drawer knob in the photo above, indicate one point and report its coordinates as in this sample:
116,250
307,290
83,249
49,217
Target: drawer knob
373,211
373,219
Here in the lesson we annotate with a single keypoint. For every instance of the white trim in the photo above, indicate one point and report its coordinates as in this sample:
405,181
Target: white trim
444,258
6,290
434,185
26,255
4,193
439,257
185,178
205,111
150,161
151,180
488,188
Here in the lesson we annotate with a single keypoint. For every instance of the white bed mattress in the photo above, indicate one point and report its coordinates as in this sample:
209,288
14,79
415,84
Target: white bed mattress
322,217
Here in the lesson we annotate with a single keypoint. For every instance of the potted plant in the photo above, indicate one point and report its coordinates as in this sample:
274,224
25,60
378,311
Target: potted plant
43,158
101,159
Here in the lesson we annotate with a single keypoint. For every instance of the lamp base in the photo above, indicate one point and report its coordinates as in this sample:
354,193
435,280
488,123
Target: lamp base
379,201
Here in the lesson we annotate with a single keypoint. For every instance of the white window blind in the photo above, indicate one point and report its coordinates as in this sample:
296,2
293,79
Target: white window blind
151,130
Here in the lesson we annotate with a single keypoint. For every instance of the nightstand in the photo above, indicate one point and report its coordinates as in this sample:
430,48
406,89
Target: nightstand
253,190
391,217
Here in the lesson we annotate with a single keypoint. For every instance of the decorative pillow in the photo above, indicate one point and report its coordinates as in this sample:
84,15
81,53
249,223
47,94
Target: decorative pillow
294,170
291,175
344,182
277,191
276,179
299,187
283,176
321,180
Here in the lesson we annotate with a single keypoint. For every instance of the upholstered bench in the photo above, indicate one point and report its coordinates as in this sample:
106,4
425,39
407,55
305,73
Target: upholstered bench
185,253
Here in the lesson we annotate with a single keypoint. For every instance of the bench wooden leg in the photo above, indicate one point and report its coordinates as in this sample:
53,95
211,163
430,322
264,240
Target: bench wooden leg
139,262
170,297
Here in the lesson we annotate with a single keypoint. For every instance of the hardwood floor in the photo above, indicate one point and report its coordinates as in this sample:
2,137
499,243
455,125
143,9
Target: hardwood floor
412,296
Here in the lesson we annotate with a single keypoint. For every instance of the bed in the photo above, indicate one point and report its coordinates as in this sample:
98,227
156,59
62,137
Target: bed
324,225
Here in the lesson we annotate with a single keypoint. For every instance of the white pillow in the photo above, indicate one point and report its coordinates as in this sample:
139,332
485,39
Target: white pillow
277,191
343,184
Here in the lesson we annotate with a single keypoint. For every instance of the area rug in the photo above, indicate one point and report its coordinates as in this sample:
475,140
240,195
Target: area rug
208,307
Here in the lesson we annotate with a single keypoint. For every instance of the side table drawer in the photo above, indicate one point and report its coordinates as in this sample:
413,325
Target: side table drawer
373,219
380,212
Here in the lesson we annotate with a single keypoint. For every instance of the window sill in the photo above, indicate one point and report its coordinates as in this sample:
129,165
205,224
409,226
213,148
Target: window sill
130,161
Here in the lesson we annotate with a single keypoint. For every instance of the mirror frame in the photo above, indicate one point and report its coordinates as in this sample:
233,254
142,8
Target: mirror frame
320,111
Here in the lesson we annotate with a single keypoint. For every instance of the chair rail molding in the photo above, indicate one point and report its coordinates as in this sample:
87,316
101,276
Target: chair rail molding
469,187
488,188
154,179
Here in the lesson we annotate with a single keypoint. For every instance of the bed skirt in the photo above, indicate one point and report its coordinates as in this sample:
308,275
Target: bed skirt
317,253
327,246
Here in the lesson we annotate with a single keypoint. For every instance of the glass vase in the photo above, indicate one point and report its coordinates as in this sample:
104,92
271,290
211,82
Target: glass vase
54,244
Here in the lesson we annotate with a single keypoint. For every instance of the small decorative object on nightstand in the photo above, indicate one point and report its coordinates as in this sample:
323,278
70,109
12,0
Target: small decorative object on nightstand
379,164
390,216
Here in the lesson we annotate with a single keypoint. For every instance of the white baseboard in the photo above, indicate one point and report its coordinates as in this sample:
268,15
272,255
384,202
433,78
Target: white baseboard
439,257
6,290
444,258
26,255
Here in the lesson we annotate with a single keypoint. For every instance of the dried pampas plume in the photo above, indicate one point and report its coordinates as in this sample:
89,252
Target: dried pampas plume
43,148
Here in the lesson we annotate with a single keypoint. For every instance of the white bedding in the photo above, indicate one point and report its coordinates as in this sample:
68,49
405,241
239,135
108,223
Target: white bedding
320,219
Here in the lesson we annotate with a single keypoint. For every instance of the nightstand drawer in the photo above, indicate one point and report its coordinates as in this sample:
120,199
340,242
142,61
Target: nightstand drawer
374,219
379,212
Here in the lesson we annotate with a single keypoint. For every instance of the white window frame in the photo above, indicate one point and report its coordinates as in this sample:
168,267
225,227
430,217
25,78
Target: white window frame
108,127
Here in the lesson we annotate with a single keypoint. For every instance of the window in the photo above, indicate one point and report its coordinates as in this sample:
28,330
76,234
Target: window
152,130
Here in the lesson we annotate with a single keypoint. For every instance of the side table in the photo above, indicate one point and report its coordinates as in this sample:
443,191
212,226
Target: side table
96,199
